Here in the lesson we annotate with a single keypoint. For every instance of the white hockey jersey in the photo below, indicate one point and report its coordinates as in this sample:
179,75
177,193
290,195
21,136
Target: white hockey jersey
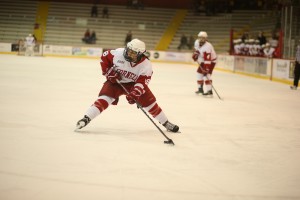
238,49
207,53
268,52
140,72
29,41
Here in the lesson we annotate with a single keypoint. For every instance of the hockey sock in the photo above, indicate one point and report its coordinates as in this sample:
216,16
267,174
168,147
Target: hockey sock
208,85
200,80
157,113
92,112
99,105
200,83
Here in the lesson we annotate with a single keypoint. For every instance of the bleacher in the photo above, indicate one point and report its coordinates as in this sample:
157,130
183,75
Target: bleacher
219,26
17,19
266,23
67,23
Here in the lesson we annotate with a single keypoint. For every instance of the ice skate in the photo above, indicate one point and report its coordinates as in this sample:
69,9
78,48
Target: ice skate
293,87
199,91
171,127
209,93
82,123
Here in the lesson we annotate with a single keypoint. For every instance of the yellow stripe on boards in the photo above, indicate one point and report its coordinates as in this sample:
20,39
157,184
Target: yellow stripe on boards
41,20
171,30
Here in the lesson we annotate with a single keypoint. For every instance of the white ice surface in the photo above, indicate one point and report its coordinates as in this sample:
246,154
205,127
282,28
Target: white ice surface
246,147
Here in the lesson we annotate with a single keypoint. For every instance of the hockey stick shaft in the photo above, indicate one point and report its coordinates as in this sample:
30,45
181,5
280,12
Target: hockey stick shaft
140,107
215,90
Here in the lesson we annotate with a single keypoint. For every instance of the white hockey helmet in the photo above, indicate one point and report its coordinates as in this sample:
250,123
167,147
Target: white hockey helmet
202,34
30,35
137,46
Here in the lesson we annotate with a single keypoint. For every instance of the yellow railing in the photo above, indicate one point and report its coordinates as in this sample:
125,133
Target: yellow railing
41,20
170,32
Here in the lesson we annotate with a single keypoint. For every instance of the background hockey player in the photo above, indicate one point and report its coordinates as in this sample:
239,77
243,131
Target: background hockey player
297,68
237,47
206,57
133,70
268,51
29,45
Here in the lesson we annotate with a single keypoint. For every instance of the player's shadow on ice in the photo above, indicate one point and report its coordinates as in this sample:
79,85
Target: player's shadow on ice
104,132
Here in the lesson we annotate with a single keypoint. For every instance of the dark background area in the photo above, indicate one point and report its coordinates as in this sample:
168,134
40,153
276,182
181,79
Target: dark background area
181,4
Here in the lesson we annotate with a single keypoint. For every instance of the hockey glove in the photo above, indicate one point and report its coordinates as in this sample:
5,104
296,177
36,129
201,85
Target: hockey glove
205,69
195,55
134,95
113,76
205,72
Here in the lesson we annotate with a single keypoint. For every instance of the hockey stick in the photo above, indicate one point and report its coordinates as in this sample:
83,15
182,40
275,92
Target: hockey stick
211,83
214,89
168,141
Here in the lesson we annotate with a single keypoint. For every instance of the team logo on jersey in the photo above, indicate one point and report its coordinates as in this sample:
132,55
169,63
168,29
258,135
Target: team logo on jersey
121,61
105,53
127,74
147,81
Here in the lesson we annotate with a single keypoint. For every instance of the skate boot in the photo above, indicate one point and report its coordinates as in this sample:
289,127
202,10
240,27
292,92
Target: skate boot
294,87
83,122
171,127
209,93
199,91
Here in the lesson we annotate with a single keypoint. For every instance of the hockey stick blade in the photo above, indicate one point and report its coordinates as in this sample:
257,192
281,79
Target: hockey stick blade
170,142
173,132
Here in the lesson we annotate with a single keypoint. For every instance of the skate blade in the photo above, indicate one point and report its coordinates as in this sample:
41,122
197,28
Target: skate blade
78,128
198,93
173,132
208,96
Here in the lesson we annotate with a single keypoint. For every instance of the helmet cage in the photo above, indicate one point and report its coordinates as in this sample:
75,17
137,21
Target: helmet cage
136,46
130,59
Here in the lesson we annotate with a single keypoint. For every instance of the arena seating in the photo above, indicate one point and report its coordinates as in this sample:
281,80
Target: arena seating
17,19
67,23
218,27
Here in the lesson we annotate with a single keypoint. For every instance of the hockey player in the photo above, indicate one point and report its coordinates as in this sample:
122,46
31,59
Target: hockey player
133,70
268,51
297,68
257,48
29,45
206,57
246,48
252,50
237,47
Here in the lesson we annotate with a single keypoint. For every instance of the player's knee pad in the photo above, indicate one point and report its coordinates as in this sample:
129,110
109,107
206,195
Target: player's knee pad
200,82
208,82
153,109
103,102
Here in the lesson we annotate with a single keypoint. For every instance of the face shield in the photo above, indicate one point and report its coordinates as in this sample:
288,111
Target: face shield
134,50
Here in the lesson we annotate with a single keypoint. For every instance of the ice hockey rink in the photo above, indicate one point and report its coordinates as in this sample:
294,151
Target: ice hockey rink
245,147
